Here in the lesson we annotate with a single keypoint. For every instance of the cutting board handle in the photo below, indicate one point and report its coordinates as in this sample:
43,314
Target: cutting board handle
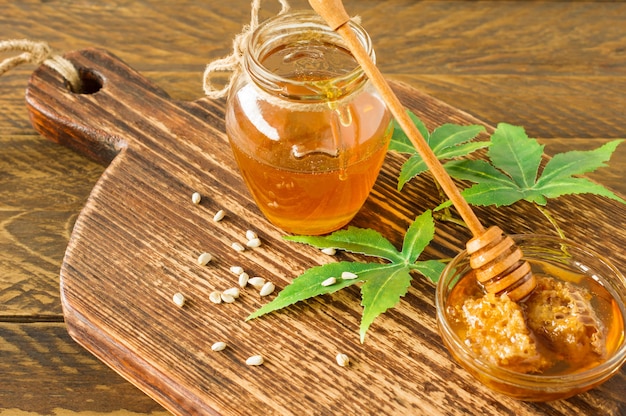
106,117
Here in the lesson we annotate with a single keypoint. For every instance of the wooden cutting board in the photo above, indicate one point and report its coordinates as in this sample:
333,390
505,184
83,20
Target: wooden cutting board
137,239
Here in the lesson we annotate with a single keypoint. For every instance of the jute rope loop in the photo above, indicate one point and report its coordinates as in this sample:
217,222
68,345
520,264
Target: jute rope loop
234,62
38,53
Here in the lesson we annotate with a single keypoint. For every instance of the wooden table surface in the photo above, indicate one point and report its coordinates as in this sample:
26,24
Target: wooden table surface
556,68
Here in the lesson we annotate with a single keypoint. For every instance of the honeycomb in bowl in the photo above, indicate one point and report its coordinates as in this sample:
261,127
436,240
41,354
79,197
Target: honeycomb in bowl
562,315
555,329
497,332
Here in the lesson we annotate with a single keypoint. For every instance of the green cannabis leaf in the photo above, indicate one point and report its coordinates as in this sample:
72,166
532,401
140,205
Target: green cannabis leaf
447,141
512,174
383,284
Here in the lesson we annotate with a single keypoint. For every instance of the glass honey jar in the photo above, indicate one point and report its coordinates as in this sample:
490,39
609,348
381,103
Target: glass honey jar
308,130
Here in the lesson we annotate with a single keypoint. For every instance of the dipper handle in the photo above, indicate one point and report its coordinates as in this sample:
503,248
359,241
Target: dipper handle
333,12
500,268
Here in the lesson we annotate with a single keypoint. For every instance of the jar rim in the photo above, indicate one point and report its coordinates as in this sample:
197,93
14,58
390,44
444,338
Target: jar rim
289,25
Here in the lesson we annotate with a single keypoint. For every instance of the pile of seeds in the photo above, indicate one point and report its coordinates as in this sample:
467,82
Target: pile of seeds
244,280
264,287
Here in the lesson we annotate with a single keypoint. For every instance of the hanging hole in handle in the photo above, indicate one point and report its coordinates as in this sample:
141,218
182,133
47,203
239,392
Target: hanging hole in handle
91,81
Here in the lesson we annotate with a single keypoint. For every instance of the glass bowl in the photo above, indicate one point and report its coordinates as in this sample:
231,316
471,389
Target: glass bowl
569,262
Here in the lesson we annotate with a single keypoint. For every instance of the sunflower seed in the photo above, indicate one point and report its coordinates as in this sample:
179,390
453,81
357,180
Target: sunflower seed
255,242
227,298
204,259
219,215
267,289
215,297
196,198
256,282
243,279
236,270
329,282
255,360
343,360
348,276
178,299
218,346
233,291
238,247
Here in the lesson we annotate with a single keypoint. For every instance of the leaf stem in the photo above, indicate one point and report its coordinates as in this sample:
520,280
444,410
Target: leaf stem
551,219
446,215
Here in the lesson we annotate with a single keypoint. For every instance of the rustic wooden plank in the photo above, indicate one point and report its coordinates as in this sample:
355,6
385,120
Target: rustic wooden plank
43,188
43,371
135,243
541,66
547,106
547,71
469,72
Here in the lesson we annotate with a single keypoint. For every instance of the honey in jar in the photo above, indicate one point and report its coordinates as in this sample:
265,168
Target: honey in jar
308,131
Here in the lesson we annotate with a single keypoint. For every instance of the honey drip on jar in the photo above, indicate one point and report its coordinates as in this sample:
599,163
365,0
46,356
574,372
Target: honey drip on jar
310,164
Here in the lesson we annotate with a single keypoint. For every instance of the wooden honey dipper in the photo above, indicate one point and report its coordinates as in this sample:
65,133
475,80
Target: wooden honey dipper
494,257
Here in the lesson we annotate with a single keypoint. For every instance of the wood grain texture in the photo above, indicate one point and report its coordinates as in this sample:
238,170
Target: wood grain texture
135,243
52,355
556,68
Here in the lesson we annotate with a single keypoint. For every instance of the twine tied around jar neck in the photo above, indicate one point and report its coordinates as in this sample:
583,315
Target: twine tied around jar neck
234,62
39,53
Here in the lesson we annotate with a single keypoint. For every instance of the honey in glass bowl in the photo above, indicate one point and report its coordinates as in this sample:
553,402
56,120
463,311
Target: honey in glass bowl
565,338
308,131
